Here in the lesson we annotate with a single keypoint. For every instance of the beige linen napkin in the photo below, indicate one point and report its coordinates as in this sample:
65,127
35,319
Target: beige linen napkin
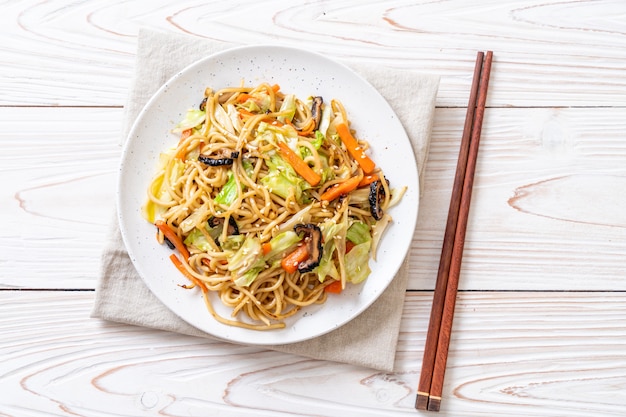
370,339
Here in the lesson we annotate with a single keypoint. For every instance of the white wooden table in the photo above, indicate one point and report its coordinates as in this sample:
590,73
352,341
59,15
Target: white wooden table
540,326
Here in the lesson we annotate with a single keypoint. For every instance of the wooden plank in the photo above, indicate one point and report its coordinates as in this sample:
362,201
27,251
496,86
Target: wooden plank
511,354
59,170
539,169
550,53
546,208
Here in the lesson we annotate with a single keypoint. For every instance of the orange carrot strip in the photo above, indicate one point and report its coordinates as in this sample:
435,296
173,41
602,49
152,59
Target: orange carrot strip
299,165
364,161
367,180
266,248
179,265
335,287
345,187
244,112
308,132
271,120
183,151
173,237
185,134
290,262
243,97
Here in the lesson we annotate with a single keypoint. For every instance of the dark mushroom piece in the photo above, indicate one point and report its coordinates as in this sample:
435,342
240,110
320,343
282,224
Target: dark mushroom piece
233,229
218,223
223,158
313,242
316,110
169,243
202,105
376,197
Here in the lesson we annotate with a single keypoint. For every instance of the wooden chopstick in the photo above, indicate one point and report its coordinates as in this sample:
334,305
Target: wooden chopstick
434,325
444,298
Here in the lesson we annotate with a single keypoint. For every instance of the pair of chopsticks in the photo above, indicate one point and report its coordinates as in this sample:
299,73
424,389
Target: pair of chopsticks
444,298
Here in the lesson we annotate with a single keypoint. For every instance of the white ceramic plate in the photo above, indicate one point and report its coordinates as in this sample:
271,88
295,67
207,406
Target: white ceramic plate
305,74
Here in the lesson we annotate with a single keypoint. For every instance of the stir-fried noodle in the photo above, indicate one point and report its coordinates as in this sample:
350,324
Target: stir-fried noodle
271,202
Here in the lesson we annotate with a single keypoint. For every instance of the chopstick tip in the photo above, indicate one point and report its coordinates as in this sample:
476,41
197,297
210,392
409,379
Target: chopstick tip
421,402
434,403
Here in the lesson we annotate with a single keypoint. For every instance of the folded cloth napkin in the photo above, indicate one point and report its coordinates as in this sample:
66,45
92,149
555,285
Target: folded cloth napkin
370,339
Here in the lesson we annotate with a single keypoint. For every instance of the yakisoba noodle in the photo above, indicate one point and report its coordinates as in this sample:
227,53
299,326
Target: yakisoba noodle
269,201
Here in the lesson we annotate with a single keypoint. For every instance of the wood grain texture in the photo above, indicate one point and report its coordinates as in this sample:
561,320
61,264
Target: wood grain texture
546,207
546,212
511,354
548,53
59,179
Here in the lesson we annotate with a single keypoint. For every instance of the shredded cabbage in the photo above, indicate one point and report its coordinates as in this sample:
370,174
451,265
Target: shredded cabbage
282,180
302,216
222,117
325,120
327,267
289,107
176,168
249,276
331,232
194,219
193,118
282,243
358,233
396,195
357,266
228,193
198,239
377,233
246,257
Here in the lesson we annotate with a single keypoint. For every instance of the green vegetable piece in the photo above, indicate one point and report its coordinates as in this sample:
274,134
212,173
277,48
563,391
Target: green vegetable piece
357,263
198,239
358,233
193,118
228,193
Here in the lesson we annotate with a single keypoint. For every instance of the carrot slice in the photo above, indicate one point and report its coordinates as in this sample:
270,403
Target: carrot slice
335,287
345,187
299,165
185,134
243,114
179,265
367,180
173,237
364,161
290,262
243,97
247,113
183,151
266,248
